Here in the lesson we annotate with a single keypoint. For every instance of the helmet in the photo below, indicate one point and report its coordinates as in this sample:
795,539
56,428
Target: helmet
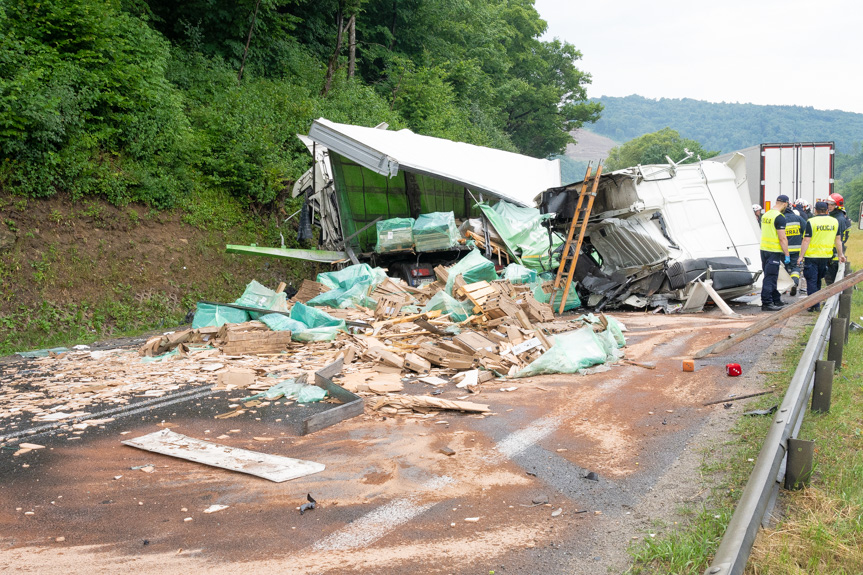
756,208
837,199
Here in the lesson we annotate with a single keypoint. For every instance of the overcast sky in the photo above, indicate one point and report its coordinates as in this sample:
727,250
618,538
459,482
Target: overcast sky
788,52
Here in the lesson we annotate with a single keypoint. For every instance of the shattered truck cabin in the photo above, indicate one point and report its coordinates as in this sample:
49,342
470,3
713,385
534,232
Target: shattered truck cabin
654,230
363,176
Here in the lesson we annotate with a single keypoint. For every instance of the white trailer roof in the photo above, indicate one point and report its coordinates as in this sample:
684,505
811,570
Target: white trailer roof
512,177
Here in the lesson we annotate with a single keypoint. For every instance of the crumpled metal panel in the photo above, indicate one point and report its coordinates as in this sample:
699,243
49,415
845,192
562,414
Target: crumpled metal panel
633,242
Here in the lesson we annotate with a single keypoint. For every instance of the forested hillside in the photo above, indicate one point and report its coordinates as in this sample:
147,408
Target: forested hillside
727,127
154,100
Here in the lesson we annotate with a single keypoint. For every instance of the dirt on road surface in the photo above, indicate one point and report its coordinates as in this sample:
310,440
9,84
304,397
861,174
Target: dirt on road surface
515,497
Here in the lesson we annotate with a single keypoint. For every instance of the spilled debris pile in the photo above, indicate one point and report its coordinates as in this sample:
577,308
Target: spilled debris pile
466,332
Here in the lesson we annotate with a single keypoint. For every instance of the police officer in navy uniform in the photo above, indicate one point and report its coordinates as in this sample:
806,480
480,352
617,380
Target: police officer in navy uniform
835,209
820,238
774,252
794,225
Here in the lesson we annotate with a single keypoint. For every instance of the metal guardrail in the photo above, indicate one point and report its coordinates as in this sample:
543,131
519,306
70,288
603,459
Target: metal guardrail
763,486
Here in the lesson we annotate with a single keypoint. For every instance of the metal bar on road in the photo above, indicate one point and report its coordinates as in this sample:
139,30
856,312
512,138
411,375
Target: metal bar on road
352,404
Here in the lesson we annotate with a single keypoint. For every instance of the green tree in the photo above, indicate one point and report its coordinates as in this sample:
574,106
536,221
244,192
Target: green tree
653,149
85,106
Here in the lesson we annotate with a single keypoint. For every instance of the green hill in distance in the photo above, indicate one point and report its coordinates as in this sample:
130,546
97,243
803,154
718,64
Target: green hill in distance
726,127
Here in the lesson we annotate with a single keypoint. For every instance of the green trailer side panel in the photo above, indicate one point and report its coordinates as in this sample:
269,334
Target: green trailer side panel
364,195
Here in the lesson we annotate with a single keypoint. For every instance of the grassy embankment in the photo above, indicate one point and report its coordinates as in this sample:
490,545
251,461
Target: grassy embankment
78,272
821,529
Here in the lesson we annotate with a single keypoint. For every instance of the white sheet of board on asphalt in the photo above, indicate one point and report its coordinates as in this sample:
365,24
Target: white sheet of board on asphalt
273,467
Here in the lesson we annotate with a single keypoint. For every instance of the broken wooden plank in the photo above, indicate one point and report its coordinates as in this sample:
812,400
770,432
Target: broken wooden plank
416,363
525,323
784,314
426,402
737,397
473,342
273,467
385,357
389,306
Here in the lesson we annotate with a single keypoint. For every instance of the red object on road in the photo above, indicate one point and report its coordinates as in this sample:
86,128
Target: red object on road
733,369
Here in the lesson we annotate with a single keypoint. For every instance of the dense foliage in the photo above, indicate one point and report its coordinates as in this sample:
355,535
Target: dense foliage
654,148
727,127
147,100
848,171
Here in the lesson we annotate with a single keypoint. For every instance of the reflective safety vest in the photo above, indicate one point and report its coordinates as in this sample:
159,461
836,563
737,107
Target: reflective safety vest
769,237
823,240
794,231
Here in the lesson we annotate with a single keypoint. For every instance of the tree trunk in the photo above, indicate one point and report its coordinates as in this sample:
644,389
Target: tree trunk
352,45
248,41
393,27
331,65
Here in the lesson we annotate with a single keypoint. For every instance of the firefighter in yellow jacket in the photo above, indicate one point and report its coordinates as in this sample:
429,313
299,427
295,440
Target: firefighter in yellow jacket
819,240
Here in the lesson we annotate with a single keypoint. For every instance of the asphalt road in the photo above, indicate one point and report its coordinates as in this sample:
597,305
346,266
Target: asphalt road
389,500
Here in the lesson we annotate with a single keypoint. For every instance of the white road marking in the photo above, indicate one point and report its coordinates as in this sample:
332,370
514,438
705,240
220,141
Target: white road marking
518,441
375,524
379,522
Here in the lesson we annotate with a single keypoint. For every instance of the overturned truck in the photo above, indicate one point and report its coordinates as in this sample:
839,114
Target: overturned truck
363,177
653,233
655,230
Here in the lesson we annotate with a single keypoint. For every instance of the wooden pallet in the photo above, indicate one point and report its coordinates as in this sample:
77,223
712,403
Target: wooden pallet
254,342
390,306
478,292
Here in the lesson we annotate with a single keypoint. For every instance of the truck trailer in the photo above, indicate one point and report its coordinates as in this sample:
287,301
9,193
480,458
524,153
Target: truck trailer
362,176
797,170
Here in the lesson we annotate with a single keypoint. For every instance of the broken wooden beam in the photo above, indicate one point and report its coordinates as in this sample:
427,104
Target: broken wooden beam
786,312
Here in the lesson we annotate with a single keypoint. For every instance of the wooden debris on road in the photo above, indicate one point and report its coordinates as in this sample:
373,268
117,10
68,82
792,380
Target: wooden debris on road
273,467
308,290
423,404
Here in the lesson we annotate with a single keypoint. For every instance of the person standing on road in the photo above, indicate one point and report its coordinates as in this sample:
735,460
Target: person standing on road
774,245
836,209
820,238
794,225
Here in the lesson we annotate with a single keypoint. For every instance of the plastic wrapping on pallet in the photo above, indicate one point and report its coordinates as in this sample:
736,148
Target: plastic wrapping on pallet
257,295
517,274
435,231
394,235
458,310
207,315
321,325
523,233
472,268
571,352
542,292
279,322
349,287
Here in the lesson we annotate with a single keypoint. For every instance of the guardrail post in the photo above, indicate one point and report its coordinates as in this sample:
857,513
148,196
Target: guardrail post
823,387
798,468
845,310
837,341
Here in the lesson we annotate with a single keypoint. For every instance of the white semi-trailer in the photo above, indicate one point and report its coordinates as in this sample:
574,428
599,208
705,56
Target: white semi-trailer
798,170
